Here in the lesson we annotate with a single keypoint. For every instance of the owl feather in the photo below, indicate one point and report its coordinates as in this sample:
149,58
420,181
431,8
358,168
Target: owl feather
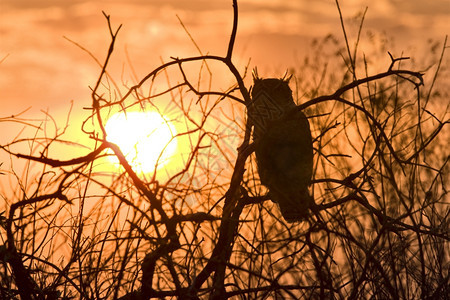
284,153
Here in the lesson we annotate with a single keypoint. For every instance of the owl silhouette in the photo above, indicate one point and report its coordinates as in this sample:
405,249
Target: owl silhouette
284,152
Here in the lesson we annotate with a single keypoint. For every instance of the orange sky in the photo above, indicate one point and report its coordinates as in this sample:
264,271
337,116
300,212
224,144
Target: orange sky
43,70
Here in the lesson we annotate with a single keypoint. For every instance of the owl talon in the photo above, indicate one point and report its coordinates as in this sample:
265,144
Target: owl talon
269,194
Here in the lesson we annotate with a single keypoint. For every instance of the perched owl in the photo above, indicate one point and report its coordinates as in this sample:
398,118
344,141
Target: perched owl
284,153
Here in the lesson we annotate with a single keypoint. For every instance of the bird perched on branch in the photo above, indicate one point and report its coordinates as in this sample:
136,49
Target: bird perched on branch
284,153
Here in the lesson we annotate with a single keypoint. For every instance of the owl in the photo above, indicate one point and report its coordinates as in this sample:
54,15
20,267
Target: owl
284,152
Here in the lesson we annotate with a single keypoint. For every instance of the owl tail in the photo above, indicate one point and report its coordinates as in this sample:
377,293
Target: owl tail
294,208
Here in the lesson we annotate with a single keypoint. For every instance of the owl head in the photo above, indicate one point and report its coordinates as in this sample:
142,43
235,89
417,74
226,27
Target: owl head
271,101
276,88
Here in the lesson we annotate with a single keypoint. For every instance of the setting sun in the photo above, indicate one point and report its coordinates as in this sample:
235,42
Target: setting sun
145,138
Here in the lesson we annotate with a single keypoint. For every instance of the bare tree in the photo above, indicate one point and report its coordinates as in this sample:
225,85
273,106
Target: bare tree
378,227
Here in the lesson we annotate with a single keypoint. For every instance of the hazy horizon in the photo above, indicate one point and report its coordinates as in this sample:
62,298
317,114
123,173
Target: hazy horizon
40,68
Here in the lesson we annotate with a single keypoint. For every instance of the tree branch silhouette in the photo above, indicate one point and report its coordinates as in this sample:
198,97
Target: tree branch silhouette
378,228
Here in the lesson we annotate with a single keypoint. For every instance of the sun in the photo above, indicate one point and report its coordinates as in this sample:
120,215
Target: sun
145,138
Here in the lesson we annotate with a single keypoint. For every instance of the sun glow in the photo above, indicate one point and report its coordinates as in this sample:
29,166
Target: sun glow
145,138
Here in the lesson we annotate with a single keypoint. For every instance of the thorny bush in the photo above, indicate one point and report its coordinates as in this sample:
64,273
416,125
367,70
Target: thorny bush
206,227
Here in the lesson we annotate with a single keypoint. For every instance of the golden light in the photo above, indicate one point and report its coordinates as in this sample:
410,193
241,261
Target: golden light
145,138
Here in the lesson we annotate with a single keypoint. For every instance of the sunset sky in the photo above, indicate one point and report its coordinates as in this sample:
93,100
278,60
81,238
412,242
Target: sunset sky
41,69
137,195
